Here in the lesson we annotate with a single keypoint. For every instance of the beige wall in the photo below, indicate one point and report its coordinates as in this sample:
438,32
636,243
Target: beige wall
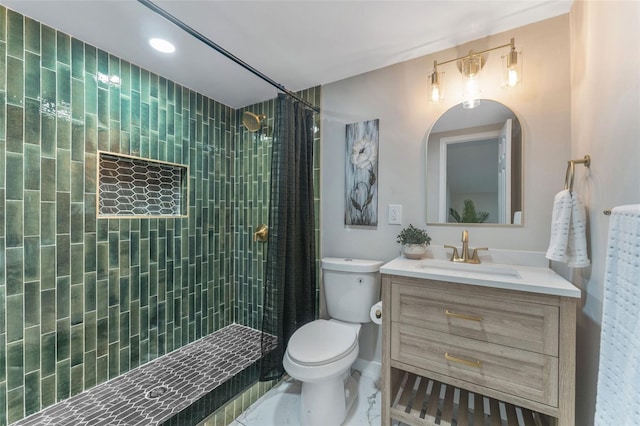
397,95
605,117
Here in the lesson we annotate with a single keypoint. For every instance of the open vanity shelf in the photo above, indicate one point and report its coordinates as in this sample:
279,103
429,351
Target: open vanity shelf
419,400
461,354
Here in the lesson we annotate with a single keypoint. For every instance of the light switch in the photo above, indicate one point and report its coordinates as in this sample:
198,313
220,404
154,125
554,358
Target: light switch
395,214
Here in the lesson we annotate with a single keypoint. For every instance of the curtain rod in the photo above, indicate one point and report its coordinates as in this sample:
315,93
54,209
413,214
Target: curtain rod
224,52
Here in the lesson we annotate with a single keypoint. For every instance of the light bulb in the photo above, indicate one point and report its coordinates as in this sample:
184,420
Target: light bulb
435,93
512,78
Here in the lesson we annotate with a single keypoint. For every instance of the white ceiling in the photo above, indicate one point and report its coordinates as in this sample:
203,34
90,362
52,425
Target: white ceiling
298,43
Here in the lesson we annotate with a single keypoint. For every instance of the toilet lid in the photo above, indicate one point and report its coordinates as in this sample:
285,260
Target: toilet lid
321,342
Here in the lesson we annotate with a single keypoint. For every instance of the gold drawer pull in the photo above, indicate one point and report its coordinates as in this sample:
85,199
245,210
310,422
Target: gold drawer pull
461,316
448,357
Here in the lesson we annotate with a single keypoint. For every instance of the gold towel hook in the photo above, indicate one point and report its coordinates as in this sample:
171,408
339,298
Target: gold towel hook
261,233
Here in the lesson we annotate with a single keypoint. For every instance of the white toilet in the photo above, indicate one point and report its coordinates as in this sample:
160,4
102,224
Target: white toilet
320,353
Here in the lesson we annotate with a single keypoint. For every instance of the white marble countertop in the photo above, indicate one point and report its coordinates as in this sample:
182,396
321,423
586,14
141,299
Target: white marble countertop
534,279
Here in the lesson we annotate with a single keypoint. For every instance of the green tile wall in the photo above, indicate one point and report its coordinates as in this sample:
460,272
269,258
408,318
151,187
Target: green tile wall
83,300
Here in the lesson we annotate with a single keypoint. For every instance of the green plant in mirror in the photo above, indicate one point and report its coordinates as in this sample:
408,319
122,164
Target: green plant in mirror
413,235
469,214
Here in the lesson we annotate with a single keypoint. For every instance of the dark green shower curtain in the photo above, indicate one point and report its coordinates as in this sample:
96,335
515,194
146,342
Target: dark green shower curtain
290,275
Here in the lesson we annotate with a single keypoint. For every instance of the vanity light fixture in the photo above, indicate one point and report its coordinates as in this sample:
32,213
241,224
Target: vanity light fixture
470,67
162,45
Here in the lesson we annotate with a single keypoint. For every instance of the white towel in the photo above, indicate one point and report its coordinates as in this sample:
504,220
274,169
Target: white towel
618,395
568,242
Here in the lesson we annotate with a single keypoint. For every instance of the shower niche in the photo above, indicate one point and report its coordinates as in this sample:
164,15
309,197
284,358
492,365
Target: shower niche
139,187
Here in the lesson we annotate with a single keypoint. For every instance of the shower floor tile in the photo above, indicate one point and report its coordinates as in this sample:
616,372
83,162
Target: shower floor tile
279,406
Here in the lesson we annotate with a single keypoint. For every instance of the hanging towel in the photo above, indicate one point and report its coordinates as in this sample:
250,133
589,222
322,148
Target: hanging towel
618,394
568,242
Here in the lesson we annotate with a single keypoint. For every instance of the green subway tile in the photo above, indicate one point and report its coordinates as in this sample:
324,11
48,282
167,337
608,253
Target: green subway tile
103,108
15,317
114,358
63,88
15,402
77,344
32,169
15,34
48,136
135,109
63,266
48,91
102,298
48,47
90,292
48,267
48,223
15,132
91,96
47,179
63,132
31,393
77,100
90,331
114,250
125,111
32,35
15,364
32,76
15,178
63,48
77,183
76,221
77,144
77,58
32,213
77,267
90,59
102,369
124,359
89,369
90,133
114,137
89,253
125,78
77,381
125,147
32,349
63,379
14,223
135,78
63,212
103,138
3,37
114,103
63,302
114,324
48,390
3,363
77,306
102,260
124,329
48,357
102,338
32,258
103,62
63,338
3,120
32,299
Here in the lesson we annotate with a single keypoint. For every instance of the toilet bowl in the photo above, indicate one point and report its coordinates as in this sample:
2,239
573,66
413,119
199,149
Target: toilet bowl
320,354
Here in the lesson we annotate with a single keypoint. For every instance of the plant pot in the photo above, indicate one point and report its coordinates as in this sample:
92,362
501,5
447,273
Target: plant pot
414,251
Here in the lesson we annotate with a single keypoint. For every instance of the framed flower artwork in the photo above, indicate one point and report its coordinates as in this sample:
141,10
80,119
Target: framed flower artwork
361,190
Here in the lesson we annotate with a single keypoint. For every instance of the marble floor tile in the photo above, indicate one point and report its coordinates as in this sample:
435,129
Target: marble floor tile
279,406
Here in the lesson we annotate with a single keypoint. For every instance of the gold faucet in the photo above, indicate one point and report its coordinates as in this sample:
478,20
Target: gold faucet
465,258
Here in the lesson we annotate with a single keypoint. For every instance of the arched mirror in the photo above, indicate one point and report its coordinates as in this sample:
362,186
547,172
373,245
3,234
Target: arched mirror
474,167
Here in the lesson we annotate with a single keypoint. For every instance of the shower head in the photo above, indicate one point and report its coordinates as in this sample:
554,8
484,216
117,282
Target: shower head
252,121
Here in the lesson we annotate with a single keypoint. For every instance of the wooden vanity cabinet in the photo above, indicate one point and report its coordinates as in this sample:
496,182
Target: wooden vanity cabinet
445,343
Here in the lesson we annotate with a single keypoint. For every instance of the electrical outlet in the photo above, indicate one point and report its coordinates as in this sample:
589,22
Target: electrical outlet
395,214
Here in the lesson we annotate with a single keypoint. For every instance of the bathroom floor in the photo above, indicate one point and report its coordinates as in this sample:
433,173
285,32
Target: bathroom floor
280,405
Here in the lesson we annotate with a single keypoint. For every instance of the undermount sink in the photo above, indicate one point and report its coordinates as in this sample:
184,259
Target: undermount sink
470,268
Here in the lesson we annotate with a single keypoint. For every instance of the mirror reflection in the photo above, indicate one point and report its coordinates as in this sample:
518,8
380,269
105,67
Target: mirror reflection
474,166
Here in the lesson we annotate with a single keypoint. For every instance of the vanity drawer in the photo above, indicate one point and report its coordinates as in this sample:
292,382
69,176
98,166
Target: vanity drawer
529,375
504,321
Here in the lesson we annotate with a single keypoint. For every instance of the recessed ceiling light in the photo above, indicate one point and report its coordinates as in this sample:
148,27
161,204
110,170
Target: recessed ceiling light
162,45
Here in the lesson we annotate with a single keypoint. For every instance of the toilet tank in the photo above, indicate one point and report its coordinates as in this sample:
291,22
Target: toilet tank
351,287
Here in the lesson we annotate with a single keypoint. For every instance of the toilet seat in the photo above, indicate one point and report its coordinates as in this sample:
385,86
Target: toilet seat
321,342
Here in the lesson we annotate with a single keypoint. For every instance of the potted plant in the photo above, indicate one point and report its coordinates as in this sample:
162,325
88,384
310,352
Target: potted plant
414,242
